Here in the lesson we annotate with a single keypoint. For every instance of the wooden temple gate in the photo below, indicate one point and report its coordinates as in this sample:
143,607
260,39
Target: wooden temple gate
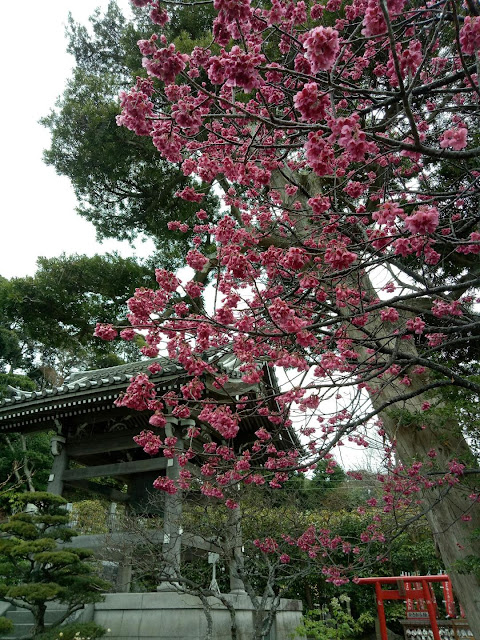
97,437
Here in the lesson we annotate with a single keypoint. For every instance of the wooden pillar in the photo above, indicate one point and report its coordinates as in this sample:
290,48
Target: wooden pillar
172,531
60,462
124,575
381,611
235,564
431,609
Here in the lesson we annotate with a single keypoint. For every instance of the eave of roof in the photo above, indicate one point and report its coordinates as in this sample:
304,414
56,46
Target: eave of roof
81,391
92,392
96,390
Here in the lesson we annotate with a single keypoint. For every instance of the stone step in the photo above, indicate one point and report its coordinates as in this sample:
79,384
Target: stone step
23,616
20,631
23,619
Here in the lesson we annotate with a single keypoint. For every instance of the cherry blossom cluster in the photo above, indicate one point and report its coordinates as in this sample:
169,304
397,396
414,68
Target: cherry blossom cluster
343,261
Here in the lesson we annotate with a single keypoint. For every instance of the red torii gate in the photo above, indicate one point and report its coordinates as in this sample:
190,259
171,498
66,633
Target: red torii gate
414,593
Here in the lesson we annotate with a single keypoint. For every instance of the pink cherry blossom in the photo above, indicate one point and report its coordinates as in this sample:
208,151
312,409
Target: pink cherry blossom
320,155
322,45
165,484
165,63
158,15
454,139
196,260
340,155
105,331
338,257
423,221
311,104
389,315
417,325
470,35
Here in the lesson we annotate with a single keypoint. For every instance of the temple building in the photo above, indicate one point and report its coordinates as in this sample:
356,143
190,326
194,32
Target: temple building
92,438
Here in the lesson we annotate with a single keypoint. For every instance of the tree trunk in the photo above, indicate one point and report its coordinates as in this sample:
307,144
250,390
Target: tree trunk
26,464
233,618
207,610
415,435
453,536
39,619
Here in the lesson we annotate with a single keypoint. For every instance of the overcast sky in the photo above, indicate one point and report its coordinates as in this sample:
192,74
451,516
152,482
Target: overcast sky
37,206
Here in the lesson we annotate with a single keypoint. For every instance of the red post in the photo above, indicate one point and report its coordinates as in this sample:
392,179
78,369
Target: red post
431,609
381,612
449,599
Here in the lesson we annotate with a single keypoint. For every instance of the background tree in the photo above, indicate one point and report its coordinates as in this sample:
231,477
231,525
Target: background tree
51,316
25,459
122,185
205,525
34,571
46,330
273,564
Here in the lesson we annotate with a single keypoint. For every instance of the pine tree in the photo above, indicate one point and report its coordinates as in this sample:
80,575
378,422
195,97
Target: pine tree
35,570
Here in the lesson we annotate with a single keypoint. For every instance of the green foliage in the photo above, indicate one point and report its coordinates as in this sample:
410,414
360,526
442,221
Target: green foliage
190,24
340,625
33,593
6,625
465,406
471,564
25,530
34,570
53,313
90,516
414,551
327,481
10,351
46,503
74,631
13,380
30,454
335,510
32,546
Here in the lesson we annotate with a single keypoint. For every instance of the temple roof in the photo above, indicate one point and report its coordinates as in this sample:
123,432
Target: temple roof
87,392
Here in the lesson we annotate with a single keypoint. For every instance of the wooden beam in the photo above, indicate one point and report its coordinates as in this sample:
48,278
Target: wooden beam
116,469
115,441
92,487
121,540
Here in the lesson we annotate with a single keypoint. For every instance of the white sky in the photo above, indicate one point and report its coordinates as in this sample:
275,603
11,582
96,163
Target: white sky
37,206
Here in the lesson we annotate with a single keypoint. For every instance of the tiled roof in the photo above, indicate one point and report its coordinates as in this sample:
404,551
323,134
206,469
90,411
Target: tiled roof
84,390
123,371
96,379
85,394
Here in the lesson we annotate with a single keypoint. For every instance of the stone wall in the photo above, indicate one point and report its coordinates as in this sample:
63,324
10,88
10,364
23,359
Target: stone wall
168,615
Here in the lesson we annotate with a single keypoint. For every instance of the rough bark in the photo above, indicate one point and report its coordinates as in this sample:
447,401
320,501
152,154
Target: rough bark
414,438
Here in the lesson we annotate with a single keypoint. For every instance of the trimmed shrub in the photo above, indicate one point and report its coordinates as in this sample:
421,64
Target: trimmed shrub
6,625
74,631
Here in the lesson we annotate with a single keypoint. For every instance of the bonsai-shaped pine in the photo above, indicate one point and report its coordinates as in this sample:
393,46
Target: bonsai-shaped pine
34,570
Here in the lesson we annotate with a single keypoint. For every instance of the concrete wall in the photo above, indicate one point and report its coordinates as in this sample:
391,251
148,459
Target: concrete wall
170,615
